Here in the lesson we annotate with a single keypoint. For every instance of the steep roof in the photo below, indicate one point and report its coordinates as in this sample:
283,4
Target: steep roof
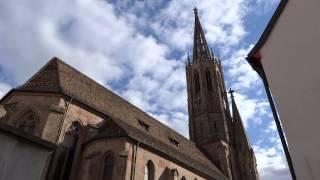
58,77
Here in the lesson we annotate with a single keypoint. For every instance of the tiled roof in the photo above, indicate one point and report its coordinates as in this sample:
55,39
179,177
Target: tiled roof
58,77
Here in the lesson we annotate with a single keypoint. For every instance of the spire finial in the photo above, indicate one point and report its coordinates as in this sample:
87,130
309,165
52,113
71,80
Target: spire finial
188,58
231,91
195,10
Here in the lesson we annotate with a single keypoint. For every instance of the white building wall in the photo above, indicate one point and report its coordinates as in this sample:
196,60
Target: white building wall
291,61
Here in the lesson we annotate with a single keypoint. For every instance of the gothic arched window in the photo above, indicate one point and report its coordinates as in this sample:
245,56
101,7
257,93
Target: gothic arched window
149,171
197,82
28,122
107,167
208,78
183,178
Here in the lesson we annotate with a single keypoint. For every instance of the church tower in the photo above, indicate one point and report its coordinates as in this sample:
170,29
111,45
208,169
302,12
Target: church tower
209,117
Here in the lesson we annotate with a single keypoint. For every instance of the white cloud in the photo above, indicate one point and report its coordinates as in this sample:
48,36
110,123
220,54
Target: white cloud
271,164
271,161
222,22
4,88
240,72
175,120
251,109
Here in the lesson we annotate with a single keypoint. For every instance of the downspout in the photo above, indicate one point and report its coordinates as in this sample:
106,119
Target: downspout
133,165
63,119
256,64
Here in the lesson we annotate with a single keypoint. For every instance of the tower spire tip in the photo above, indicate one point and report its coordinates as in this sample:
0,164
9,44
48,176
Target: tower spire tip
231,91
195,10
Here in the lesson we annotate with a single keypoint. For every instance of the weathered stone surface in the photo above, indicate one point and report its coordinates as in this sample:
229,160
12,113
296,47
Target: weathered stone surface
2,111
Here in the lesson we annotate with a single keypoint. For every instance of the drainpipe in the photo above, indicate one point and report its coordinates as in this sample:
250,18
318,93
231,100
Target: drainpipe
256,65
133,165
63,119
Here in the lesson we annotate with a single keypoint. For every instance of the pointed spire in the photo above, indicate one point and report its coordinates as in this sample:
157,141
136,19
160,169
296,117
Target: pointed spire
235,113
188,57
237,123
200,46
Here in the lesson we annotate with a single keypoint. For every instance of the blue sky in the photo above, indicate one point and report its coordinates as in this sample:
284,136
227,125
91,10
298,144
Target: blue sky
138,50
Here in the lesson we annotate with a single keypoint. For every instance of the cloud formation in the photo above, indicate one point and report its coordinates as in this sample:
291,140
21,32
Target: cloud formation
4,88
271,160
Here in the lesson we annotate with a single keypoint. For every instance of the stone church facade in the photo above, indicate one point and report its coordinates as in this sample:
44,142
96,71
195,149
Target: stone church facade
99,135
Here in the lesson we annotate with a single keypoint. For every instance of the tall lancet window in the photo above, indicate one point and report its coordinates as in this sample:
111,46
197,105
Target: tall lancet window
197,82
107,168
208,77
28,122
149,171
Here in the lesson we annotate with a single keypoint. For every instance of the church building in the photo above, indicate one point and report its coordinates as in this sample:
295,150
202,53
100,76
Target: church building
97,135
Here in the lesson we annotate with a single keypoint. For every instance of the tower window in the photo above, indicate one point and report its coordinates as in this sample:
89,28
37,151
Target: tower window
196,80
208,78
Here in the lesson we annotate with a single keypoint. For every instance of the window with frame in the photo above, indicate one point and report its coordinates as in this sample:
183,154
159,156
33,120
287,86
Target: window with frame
149,171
